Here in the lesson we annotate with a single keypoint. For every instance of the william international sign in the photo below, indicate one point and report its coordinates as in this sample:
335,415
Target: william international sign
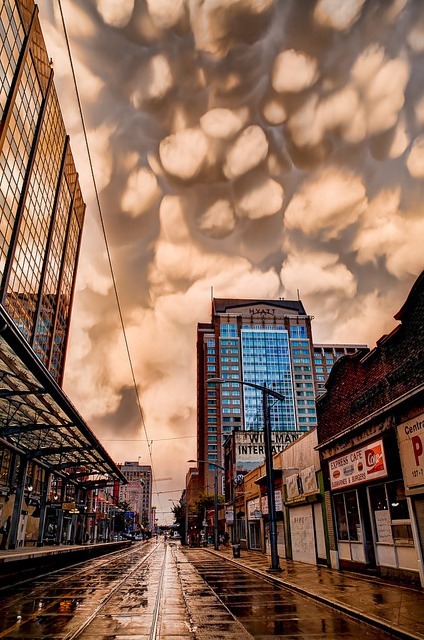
250,444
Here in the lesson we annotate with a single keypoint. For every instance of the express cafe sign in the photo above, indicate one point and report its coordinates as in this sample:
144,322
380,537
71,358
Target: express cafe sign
359,465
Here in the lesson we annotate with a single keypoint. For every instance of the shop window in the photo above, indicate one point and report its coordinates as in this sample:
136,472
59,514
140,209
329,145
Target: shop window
346,510
390,512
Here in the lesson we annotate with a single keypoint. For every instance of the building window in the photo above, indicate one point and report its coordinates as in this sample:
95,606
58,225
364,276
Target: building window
228,330
348,524
389,508
298,331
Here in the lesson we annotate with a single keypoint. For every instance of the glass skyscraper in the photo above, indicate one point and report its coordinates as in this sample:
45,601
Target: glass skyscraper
41,206
265,342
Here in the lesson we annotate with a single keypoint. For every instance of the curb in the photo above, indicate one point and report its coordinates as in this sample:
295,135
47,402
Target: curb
354,613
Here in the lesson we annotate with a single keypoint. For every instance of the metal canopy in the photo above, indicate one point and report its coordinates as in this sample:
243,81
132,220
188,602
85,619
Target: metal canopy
37,419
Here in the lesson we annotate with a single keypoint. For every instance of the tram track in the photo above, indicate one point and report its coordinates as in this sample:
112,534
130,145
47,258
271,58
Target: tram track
55,590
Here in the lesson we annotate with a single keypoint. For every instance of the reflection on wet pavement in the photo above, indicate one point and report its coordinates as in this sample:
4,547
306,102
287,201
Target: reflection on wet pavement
162,591
267,610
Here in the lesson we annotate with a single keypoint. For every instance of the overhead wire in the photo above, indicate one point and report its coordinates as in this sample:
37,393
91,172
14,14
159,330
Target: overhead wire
103,227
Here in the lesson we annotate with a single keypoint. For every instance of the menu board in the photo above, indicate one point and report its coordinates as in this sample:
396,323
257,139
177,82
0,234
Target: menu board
384,526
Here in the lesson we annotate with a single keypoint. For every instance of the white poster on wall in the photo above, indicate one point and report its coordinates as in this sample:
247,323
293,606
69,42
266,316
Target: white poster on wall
383,525
292,486
309,480
253,509
278,497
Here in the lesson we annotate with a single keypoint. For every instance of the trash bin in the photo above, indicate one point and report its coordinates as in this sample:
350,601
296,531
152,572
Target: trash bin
236,550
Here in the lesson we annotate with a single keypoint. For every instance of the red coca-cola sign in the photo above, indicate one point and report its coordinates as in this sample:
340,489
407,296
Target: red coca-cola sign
358,465
374,459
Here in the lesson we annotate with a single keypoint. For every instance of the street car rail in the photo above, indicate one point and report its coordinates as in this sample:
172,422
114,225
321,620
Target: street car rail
65,588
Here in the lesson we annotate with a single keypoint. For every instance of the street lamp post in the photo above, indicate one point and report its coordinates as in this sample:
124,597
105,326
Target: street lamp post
186,519
215,520
266,391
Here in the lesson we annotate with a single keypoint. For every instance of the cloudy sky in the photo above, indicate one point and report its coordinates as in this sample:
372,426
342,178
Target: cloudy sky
255,148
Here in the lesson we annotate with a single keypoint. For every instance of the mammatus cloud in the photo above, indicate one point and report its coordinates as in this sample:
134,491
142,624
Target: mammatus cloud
327,203
293,71
242,148
338,15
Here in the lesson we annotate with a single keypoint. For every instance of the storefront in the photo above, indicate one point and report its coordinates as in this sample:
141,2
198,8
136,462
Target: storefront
305,521
372,519
281,538
410,436
371,443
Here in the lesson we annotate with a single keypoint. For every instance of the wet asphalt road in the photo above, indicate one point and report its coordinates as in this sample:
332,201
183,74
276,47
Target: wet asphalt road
161,591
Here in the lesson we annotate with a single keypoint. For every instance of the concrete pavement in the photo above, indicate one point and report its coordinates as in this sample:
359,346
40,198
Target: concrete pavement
392,607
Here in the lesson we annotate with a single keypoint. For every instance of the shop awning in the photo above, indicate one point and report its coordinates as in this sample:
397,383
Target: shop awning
37,419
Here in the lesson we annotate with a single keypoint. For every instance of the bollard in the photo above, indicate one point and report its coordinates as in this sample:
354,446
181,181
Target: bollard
236,550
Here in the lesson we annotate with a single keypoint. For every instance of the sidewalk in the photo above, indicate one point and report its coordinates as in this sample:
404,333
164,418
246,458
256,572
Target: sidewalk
30,552
393,608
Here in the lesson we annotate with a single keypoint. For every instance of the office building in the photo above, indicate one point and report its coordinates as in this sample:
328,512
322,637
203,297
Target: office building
265,342
138,491
41,206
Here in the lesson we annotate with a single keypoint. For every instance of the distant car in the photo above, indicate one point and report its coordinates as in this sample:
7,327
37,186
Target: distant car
176,535
138,537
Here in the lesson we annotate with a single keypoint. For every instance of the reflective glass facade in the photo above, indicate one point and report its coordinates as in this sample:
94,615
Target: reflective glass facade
266,361
41,206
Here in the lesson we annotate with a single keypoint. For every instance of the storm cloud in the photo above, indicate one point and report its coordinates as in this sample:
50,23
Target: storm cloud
255,148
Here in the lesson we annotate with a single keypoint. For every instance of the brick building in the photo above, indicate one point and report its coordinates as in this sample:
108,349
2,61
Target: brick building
371,441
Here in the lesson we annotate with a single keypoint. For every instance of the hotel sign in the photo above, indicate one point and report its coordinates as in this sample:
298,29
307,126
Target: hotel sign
364,464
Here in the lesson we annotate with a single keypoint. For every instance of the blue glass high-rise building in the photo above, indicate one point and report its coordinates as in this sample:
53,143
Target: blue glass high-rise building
265,342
